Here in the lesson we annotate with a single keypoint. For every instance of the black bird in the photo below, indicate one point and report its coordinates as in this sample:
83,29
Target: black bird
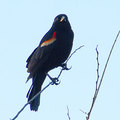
52,52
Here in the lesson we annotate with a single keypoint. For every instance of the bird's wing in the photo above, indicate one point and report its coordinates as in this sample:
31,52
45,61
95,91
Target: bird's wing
29,58
41,53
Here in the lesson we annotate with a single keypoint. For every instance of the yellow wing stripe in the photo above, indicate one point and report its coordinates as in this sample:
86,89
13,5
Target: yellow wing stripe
50,41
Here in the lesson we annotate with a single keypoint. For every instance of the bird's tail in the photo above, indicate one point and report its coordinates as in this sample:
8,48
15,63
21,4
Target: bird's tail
37,82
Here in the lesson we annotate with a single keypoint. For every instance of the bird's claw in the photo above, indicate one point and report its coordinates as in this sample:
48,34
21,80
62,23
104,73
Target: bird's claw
64,66
55,81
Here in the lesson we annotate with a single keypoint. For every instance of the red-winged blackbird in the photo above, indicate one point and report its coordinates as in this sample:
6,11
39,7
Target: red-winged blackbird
52,52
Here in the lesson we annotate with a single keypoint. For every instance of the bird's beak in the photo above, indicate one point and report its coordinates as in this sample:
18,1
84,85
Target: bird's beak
62,18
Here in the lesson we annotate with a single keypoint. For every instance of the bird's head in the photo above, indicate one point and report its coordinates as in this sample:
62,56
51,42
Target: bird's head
61,22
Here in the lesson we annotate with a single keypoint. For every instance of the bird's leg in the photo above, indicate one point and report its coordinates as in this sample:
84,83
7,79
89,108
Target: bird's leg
64,66
54,80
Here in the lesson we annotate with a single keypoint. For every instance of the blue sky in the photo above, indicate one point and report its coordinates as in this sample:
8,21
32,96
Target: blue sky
22,25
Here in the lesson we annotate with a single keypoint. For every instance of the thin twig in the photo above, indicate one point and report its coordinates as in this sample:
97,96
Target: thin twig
108,59
96,89
31,100
98,86
97,67
83,112
68,114
54,81
60,73
74,52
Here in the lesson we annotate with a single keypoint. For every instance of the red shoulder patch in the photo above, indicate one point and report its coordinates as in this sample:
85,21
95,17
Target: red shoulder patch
50,41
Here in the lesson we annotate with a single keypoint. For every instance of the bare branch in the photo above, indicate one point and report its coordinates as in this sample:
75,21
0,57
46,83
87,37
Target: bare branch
54,81
97,67
98,86
74,52
68,114
108,59
96,89
31,100
83,112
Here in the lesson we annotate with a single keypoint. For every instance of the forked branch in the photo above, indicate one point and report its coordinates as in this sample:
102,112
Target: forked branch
101,79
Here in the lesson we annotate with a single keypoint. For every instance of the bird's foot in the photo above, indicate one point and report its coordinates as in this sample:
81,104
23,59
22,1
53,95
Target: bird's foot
64,66
55,81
